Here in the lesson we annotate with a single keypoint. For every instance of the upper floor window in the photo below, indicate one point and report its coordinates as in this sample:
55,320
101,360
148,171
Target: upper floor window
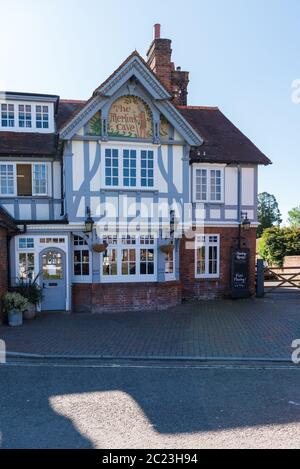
7,115
25,119
23,179
40,179
7,179
208,184
111,167
42,117
207,260
147,168
129,168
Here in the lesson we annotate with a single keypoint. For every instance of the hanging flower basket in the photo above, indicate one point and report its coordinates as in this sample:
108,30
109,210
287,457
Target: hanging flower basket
167,248
100,247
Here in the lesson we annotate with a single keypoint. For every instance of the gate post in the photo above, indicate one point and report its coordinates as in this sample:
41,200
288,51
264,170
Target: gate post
260,279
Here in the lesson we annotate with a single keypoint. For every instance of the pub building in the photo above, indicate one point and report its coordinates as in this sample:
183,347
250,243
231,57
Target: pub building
131,200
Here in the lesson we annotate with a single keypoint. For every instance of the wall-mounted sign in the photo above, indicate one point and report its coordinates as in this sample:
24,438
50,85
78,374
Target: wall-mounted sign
130,117
240,273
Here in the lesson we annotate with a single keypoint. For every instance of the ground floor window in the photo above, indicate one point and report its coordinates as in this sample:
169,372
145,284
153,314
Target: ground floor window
26,266
170,264
81,258
207,256
129,257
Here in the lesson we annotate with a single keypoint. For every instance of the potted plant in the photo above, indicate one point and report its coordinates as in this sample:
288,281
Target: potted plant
33,293
14,305
100,247
167,248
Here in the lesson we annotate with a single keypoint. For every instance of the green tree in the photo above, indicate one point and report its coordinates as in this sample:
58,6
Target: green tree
276,243
268,212
294,217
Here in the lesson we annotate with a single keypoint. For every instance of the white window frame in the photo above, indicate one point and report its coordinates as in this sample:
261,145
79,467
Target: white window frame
25,120
208,169
8,104
7,163
207,244
33,104
138,247
26,252
32,164
120,148
81,247
40,194
171,276
42,113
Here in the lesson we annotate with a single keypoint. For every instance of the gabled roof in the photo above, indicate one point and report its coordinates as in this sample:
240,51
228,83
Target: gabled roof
133,66
107,83
223,141
22,143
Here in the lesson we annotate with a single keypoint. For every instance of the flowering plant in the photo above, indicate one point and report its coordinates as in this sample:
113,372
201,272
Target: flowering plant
14,301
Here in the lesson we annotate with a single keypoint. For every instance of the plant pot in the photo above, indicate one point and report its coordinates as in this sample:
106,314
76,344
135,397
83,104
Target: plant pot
15,318
30,312
100,247
167,248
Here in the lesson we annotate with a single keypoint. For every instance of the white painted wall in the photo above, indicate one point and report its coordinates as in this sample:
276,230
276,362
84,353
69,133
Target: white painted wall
247,186
231,186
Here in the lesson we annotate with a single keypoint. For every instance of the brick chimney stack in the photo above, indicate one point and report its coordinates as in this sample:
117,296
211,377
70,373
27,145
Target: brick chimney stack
159,59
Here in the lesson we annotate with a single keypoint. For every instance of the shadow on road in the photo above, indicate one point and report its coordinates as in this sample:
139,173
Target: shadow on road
168,401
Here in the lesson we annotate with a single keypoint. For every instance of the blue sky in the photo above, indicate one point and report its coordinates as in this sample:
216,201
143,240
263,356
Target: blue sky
243,56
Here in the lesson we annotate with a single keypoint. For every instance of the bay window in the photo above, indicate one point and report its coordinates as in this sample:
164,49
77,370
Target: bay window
129,258
208,184
207,256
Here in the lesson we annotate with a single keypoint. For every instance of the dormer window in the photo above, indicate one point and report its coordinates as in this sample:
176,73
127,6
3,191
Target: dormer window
7,115
42,117
25,116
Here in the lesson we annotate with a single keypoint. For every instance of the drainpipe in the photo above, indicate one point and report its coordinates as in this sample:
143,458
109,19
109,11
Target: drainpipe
239,186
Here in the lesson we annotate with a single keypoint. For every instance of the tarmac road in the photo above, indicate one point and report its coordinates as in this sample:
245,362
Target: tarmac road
148,405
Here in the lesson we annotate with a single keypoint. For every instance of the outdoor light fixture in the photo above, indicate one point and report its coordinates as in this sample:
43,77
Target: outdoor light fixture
244,225
89,222
246,222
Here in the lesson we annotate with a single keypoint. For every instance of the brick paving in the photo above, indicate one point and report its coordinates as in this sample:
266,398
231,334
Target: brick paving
255,328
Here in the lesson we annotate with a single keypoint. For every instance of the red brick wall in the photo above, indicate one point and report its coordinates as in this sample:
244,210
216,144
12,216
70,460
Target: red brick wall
204,288
3,266
100,298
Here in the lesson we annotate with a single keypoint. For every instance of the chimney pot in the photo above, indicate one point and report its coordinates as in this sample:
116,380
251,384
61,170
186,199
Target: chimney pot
157,28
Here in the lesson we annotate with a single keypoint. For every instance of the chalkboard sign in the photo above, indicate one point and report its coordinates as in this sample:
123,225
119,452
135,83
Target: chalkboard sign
240,273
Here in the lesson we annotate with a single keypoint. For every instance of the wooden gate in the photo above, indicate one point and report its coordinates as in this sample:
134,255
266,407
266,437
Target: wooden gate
282,280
